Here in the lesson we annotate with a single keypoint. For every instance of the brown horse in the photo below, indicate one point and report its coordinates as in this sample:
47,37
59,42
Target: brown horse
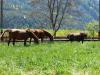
77,36
40,33
18,34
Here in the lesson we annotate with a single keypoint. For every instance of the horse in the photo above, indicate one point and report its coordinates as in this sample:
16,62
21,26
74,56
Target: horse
41,34
77,36
18,34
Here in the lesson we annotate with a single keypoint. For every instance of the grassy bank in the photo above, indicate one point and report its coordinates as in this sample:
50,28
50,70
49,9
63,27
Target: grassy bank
58,58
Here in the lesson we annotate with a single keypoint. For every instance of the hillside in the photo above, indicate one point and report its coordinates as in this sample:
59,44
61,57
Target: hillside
24,13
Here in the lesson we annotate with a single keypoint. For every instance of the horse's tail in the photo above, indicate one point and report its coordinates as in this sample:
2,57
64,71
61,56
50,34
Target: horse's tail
1,37
48,34
36,39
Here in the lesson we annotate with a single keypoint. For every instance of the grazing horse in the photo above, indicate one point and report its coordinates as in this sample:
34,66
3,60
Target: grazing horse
77,36
40,33
18,34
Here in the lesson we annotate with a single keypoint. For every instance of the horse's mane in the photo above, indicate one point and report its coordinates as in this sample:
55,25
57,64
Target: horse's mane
48,34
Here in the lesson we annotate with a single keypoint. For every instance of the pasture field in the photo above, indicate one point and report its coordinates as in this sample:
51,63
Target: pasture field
57,58
64,32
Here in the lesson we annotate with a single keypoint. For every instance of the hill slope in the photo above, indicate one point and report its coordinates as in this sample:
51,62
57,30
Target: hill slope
24,12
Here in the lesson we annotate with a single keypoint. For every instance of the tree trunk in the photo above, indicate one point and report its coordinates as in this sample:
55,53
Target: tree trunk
99,35
93,35
55,32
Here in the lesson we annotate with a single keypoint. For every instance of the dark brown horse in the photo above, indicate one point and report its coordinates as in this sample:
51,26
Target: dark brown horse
18,34
40,33
77,36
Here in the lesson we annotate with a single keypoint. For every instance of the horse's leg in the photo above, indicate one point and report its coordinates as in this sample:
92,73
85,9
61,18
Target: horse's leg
25,42
71,41
82,41
13,42
9,41
41,39
30,40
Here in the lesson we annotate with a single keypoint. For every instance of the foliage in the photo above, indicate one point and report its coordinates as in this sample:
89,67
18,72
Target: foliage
93,27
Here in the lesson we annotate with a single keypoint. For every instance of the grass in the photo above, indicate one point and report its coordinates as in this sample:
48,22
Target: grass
58,58
65,32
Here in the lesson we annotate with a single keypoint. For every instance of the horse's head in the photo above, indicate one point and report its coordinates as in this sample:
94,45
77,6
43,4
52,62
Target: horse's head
51,38
83,35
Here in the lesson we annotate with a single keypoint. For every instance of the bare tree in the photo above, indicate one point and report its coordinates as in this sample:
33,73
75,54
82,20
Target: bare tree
1,17
57,10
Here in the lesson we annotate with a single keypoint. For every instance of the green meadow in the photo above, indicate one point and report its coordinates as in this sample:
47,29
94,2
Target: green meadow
57,58
65,32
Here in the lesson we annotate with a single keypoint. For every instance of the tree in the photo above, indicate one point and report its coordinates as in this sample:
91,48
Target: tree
93,27
93,4
57,10
1,17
